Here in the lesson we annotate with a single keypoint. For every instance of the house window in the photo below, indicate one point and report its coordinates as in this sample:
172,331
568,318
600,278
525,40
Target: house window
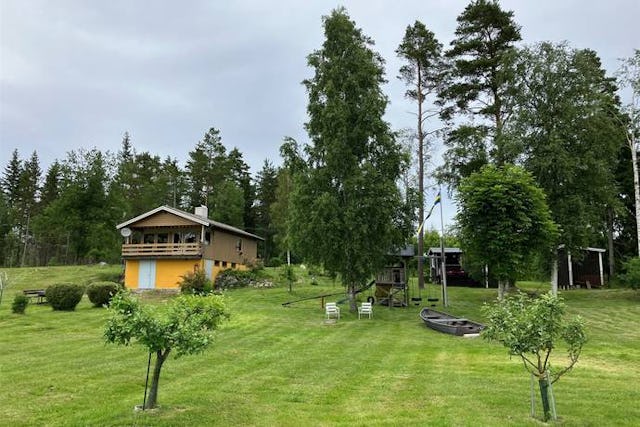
216,263
233,265
176,237
149,238
207,237
163,238
224,264
136,237
239,245
190,237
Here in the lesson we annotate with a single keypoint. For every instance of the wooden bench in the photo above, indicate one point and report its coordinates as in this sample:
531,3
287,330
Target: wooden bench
36,294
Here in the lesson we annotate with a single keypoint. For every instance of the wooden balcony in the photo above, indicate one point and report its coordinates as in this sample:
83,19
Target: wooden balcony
164,250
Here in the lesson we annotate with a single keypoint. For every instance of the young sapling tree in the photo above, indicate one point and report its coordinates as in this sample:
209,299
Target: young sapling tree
531,329
185,326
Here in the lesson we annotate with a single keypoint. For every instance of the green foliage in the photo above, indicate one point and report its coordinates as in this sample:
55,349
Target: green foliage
288,274
19,304
504,220
185,326
631,275
347,211
100,293
64,296
566,121
232,279
479,86
195,283
532,329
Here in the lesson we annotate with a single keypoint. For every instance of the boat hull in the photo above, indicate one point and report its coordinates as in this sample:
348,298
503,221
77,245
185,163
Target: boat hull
449,324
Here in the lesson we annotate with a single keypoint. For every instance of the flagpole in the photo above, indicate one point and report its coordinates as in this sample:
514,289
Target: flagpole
445,299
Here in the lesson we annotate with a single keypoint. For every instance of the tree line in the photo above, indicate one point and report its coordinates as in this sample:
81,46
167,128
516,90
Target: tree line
351,193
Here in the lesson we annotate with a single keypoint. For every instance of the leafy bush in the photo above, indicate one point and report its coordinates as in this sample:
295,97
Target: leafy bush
274,262
195,283
20,303
231,279
631,276
100,293
64,296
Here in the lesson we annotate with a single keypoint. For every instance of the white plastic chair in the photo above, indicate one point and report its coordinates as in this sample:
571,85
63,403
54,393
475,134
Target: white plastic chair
365,308
332,310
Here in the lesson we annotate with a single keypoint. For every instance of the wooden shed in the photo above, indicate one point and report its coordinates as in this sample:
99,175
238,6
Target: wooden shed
584,270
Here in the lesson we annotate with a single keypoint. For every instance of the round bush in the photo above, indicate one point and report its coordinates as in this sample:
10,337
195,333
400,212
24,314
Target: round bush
195,283
20,303
64,296
100,293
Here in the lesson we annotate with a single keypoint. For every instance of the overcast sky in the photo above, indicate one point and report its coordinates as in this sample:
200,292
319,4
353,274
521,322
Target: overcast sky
80,73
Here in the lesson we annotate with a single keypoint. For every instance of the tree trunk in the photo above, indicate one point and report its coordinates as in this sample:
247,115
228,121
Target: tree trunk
420,183
352,297
544,396
636,185
501,288
612,265
153,392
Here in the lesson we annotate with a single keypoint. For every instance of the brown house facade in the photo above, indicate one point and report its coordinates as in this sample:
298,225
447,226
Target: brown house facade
165,243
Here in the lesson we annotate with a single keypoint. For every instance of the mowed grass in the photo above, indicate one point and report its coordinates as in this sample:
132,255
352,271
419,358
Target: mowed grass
274,365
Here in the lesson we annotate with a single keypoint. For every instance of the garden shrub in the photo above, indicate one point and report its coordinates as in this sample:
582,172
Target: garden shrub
20,303
631,276
195,283
231,279
100,293
274,262
64,296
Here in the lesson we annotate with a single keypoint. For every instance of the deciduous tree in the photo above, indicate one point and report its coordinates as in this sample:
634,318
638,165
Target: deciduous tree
566,125
532,329
346,204
504,221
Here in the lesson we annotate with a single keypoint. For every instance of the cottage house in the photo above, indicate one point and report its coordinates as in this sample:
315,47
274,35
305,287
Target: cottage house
165,243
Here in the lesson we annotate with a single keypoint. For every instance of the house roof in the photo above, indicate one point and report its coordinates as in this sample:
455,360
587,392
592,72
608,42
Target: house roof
436,250
191,217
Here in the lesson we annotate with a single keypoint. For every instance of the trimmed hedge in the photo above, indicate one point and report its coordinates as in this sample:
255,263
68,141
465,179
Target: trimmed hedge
19,304
100,293
64,296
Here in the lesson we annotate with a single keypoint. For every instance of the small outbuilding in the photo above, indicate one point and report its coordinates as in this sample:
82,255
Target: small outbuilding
456,275
585,270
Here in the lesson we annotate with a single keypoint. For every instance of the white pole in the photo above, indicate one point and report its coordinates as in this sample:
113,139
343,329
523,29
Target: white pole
570,267
445,299
601,270
554,276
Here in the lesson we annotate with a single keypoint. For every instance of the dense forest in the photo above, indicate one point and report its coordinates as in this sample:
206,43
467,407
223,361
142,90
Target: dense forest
548,108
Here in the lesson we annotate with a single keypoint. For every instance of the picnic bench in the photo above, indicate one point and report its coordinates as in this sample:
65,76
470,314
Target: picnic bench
39,295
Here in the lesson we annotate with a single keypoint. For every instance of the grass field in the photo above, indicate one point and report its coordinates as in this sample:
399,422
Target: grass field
272,365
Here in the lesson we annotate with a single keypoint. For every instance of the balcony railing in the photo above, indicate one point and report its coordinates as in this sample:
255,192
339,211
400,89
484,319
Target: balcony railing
162,250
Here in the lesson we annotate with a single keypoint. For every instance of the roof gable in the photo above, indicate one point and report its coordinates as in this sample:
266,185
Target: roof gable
184,218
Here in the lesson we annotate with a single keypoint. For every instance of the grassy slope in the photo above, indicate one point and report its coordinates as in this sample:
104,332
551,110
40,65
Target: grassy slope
272,365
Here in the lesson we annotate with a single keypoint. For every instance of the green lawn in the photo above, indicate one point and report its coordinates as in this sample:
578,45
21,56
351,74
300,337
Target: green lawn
272,365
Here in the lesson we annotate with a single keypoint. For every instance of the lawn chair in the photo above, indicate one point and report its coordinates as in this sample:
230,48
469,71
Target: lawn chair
365,308
332,310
